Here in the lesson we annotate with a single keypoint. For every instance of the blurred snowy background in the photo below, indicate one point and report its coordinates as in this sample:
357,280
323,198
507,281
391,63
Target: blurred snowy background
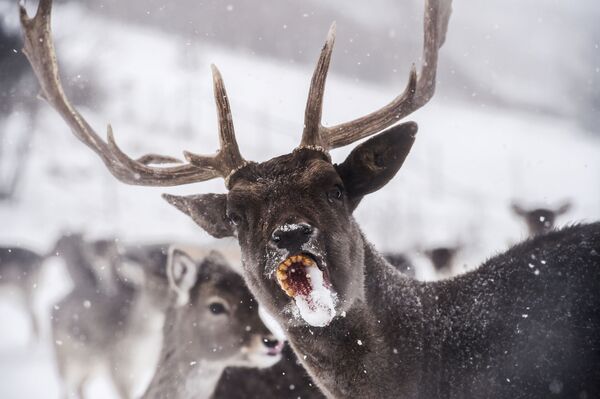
515,116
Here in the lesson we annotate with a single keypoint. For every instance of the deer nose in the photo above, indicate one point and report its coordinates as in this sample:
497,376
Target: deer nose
291,235
270,342
273,345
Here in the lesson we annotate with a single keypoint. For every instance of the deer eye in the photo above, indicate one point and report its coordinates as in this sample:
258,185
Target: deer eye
217,308
335,194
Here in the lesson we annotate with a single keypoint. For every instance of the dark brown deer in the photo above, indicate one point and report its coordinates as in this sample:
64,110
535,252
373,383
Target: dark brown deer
523,324
540,220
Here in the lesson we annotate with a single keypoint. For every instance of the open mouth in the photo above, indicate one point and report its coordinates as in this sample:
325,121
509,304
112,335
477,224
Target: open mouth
301,278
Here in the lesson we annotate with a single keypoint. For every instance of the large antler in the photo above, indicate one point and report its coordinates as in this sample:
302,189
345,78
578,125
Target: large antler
417,93
228,159
39,49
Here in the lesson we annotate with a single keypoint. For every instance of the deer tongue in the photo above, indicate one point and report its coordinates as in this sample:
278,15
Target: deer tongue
316,305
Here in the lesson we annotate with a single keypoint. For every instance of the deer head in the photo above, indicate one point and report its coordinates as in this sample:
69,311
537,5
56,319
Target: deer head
292,215
540,220
214,307
442,258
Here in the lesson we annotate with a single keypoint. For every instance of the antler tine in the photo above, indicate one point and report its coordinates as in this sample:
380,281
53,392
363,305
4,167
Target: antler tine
437,16
39,49
416,94
311,136
228,158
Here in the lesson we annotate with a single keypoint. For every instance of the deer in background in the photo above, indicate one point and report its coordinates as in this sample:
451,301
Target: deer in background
523,324
91,264
401,261
540,220
212,322
21,268
112,319
443,259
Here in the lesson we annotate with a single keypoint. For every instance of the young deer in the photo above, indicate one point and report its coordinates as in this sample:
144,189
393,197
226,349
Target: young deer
286,377
540,220
111,320
524,324
212,323
21,268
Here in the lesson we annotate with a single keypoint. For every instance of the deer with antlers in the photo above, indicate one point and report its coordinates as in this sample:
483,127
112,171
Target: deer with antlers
523,324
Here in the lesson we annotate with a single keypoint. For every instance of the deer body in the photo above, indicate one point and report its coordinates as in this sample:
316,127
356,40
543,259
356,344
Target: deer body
107,322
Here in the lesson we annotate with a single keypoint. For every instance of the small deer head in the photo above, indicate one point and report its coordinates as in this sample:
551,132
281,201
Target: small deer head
292,215
217,317
442,258
540,220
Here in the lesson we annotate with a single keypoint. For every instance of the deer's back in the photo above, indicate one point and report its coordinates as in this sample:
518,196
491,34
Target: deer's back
93,318
525,324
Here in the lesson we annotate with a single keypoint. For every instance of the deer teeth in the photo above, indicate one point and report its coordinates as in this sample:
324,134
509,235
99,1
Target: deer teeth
282,271
281,274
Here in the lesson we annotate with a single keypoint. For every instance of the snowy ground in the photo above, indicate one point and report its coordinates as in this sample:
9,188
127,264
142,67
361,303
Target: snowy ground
469,161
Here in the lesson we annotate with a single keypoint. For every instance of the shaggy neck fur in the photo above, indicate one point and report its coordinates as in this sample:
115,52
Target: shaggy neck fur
524,324
346,357
180,375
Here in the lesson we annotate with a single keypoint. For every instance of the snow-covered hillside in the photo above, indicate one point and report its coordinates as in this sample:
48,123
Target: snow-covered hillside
469,161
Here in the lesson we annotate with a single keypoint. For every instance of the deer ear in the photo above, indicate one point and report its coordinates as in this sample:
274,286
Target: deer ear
182,273
209,211
564,208
376,161
518,210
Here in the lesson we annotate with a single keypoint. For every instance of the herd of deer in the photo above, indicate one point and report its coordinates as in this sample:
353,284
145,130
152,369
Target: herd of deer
524,324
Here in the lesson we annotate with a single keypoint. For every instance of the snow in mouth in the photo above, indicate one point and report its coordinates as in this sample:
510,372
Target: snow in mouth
301,279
